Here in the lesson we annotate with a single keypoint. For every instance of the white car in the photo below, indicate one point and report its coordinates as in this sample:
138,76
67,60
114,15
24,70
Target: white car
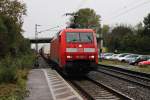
121,56
131,57
113,57
107,55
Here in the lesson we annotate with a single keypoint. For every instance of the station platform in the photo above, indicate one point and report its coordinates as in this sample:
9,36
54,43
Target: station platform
47,84
38,86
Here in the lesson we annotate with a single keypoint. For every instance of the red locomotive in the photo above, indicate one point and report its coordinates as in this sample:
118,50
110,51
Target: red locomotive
74,50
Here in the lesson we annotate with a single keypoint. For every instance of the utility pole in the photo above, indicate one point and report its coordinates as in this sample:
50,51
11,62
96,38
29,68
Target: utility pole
36,37
101,36
36,46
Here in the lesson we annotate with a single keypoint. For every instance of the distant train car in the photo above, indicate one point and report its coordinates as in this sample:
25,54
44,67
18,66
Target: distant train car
45,51
74,50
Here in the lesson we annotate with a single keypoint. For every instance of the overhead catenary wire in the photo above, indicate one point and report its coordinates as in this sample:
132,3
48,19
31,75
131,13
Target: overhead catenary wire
48,29
124,7
129,10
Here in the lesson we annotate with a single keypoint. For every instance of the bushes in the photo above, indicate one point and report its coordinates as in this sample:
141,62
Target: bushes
13,76
9,67
11,92
7,70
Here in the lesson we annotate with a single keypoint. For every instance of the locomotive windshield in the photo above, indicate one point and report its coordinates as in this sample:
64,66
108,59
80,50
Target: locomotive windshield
79,37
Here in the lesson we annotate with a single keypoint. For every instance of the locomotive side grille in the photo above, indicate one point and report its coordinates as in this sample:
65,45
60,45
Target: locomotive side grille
80,50
89,49
71,50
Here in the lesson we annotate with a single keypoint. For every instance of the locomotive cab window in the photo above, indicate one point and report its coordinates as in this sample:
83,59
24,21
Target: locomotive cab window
79,37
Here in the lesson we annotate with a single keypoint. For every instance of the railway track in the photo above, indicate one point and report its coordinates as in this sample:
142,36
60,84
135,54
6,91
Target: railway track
126,76
133,73
94,90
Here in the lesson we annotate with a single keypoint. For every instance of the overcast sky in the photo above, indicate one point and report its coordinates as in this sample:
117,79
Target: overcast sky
50,13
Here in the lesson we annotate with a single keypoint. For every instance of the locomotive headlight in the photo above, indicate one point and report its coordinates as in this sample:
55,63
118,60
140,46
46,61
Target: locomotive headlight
69,57
91,57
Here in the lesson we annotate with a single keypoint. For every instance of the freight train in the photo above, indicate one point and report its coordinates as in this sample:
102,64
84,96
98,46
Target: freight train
45,51
74,50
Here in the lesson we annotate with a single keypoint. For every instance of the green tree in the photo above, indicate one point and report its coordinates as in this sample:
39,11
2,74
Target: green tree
3,28
14,9
121,30
11,13
116,35
139,29
147,25
105,32
3,38
128,43
86,18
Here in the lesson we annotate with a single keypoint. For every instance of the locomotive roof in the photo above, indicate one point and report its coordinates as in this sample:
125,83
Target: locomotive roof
77,30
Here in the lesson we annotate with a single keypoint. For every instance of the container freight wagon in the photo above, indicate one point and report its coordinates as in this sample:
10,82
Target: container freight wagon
74,50
45,51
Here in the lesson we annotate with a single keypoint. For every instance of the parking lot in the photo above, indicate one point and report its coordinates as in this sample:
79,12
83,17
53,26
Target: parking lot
131,61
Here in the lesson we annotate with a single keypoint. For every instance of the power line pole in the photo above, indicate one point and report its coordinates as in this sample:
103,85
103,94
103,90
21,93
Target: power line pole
36,45
36,37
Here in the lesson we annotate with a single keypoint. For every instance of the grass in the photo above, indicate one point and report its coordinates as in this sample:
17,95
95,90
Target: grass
145,69
110,62
15,91
7,89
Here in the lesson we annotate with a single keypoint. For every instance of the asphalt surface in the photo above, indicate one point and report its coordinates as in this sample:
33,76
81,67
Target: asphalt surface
37,84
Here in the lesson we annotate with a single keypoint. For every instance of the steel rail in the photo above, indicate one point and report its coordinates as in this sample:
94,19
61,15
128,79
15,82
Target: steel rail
85,93
113,91
140,74
125,79
125,73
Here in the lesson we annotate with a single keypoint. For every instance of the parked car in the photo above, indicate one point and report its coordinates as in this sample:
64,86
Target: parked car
144,62
123,57
106,55
131,57
113,57
120,56
139,59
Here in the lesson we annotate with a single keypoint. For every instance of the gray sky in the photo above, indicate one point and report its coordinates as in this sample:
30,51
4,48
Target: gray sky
49,13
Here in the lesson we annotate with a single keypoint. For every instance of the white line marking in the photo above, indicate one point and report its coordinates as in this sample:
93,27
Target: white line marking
56,82
49,85
79,97
70,97
66,92
55,79
58,85
50,82
58,89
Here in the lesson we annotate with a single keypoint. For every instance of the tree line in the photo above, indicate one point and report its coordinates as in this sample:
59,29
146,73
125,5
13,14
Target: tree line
16,57
126,38
12,41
